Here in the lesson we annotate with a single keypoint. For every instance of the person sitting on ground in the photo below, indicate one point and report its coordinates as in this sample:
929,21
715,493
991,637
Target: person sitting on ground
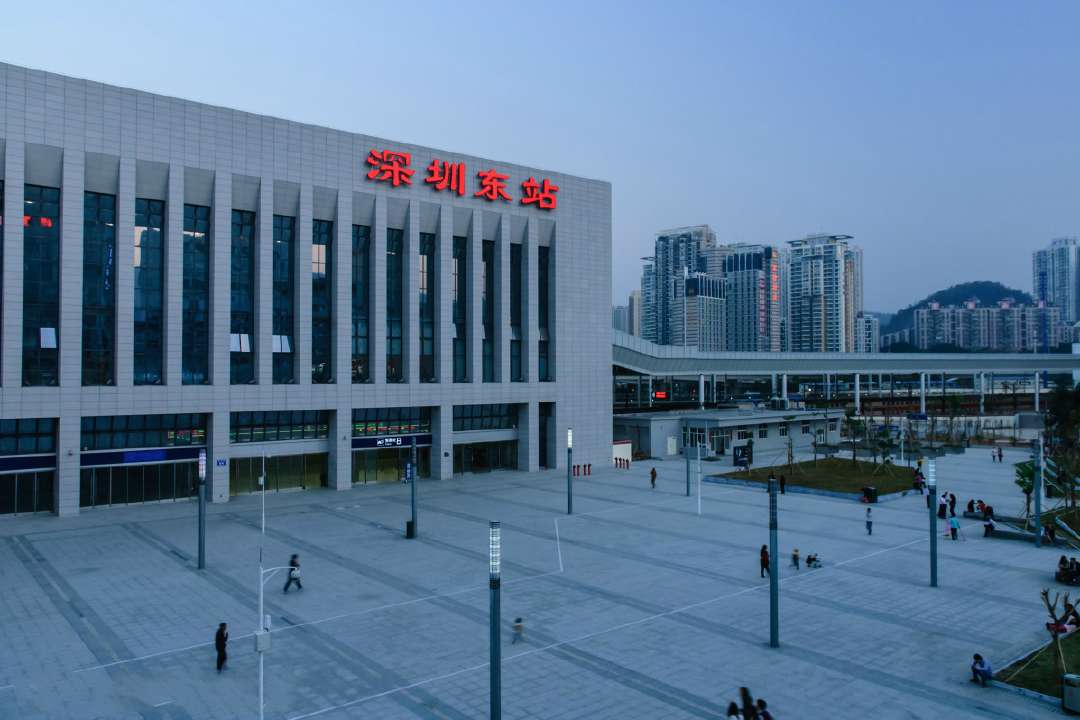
971,506
981,670
812,561
733,711
1063,564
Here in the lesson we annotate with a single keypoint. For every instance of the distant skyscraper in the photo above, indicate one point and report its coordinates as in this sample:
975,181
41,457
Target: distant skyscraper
753,303
1003,327
1056,277
867,334
648,300
699,313
619,318
678,251
633,314
824,280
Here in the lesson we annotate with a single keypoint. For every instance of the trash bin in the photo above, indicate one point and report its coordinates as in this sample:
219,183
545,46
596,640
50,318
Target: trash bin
410,529
1070,693
870,493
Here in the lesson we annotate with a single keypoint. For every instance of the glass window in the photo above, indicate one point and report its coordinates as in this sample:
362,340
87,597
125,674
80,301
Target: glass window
783,431
284,261
322,302
485,417
278,425
195,362
121,432
426,283
242,322
745,433
806,428
460,279
149,280
395,280
41,285
763,432
374,422
488,310
28,436
544,364
361,278
517,373
99,289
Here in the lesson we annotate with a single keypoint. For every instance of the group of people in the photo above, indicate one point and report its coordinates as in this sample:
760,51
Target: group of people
221,637
996,455
747,709
1068,571
812,560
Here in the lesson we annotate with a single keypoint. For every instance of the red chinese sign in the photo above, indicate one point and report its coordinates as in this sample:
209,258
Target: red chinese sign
390,166
393,167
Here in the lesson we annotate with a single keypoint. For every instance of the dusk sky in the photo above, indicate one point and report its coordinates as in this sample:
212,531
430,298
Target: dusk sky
943,136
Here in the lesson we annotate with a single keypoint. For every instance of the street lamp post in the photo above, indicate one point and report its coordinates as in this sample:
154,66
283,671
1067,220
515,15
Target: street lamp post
202,509
412,484
495,659
931,486
569,471
1036,488
774,570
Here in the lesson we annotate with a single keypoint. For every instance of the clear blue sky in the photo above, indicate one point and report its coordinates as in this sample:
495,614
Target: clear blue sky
944,136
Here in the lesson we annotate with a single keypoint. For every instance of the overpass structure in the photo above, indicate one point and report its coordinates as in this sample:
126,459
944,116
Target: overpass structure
635,356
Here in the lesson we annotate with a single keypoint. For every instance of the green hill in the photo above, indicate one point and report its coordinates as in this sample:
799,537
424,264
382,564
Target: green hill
987,292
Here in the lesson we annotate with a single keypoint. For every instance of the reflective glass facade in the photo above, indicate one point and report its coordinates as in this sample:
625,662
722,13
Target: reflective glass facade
125,484
516,372
395,301
41,286
28,491
281,472
242,320
195,343
322,302
484,417
149,282
460,280
28,436
488,310
99,289
377,422
361,292
543,314
122,432
427,284
284,272
275,425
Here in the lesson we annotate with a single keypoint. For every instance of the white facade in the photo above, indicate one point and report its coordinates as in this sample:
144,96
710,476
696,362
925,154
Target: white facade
86,140
824,284
1056,277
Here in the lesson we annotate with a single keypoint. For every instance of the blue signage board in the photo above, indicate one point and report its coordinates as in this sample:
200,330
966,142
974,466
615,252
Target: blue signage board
133,457
391,441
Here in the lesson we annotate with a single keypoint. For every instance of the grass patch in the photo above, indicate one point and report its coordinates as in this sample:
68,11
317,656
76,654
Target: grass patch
1040,675
837,474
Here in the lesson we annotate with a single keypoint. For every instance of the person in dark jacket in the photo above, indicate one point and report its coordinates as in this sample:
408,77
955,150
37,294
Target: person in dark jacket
652,478
783,484
764,560
952,505
221,639
294,573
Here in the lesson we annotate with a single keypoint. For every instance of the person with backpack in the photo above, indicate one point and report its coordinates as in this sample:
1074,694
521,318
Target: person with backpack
294,573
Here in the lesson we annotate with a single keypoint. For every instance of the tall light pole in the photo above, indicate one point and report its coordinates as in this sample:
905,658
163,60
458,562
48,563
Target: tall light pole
931,486
262,621
1036,487
202,509
495,659
411,474
569,471
686,452
774,570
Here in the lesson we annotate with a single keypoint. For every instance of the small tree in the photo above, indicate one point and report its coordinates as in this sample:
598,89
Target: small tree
1025,480
1057,621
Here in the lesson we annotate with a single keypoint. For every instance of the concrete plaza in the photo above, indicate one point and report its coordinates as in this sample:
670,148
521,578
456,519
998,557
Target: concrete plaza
635,607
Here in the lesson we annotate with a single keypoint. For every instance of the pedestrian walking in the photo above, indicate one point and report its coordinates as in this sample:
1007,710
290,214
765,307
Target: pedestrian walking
783,484
294,574
795,558
954,527
952,505
869,522
652,478
943,505
519,631
764,560
1001,455
221,639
